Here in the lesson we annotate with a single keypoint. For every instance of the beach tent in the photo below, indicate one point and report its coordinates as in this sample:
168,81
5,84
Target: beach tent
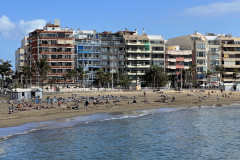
27,93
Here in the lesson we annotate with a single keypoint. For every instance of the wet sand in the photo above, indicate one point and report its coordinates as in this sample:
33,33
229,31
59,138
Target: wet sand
55,113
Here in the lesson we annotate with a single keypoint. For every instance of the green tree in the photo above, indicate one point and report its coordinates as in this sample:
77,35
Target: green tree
27,72
208,76
51,81
100,76
220,70
235,74
172,79
5,69
155,77
42,69
190,73
124,81
80,73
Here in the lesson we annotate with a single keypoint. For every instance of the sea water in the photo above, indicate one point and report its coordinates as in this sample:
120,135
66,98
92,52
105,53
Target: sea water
169,133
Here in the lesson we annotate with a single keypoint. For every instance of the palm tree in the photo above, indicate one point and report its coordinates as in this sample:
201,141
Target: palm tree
80,73
107,78
221,71
74,74
69,75
172,79
52,81
27,72
42,69
208,75
124,81
191,71
100,76
235,74
5,69
155,76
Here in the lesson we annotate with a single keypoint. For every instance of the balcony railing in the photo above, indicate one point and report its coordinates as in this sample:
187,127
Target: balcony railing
97,58
61,66
60,59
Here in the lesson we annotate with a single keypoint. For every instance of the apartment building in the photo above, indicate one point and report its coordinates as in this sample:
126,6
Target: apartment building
230,50
20,55
113,51
213,57
56,45
157,49
177,59
196,42
87,54
138,56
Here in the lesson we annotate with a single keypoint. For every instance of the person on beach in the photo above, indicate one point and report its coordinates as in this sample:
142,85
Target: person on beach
86,104
217,97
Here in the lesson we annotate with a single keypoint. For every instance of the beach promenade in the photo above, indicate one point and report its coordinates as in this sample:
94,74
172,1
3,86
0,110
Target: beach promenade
100,102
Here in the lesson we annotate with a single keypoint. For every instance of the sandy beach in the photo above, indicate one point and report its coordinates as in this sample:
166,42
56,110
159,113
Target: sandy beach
182,99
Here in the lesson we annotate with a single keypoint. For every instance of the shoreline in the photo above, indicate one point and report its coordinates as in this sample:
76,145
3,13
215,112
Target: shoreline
23,117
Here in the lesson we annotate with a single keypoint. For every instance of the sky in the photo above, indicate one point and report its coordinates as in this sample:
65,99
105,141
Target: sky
169,18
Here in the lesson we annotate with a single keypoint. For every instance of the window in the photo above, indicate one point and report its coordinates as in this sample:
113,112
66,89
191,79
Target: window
201,54
104,57
237,62
120,56
158,48
44,56
159,63
201,61
201,69
201,46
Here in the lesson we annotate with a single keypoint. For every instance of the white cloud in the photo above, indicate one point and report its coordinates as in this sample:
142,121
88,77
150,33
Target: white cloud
16,30
214,9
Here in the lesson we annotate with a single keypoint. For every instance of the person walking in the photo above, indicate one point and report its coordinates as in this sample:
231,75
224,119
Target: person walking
217,97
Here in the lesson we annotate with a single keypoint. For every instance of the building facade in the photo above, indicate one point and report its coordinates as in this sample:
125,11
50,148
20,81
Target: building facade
87,54
56,45
230,51
113,51
20,55
196,42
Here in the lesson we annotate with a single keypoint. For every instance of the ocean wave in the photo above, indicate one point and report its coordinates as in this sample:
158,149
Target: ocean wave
8,132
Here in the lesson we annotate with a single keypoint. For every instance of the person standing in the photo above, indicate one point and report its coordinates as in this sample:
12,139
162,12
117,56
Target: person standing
217,97
86,104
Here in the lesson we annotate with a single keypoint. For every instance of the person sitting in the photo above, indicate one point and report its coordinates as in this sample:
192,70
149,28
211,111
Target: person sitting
134,101
68,107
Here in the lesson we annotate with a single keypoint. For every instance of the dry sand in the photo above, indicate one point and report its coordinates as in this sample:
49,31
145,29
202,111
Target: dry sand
182,100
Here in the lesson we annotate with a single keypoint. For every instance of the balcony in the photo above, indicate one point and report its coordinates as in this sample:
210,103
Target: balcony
133,74
231,52
92,65
89,58
139,58
56,45
175,67
64,60
88,44
61,67
138,51
138,66
231,45
96,51
135,43
157,51
42,52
